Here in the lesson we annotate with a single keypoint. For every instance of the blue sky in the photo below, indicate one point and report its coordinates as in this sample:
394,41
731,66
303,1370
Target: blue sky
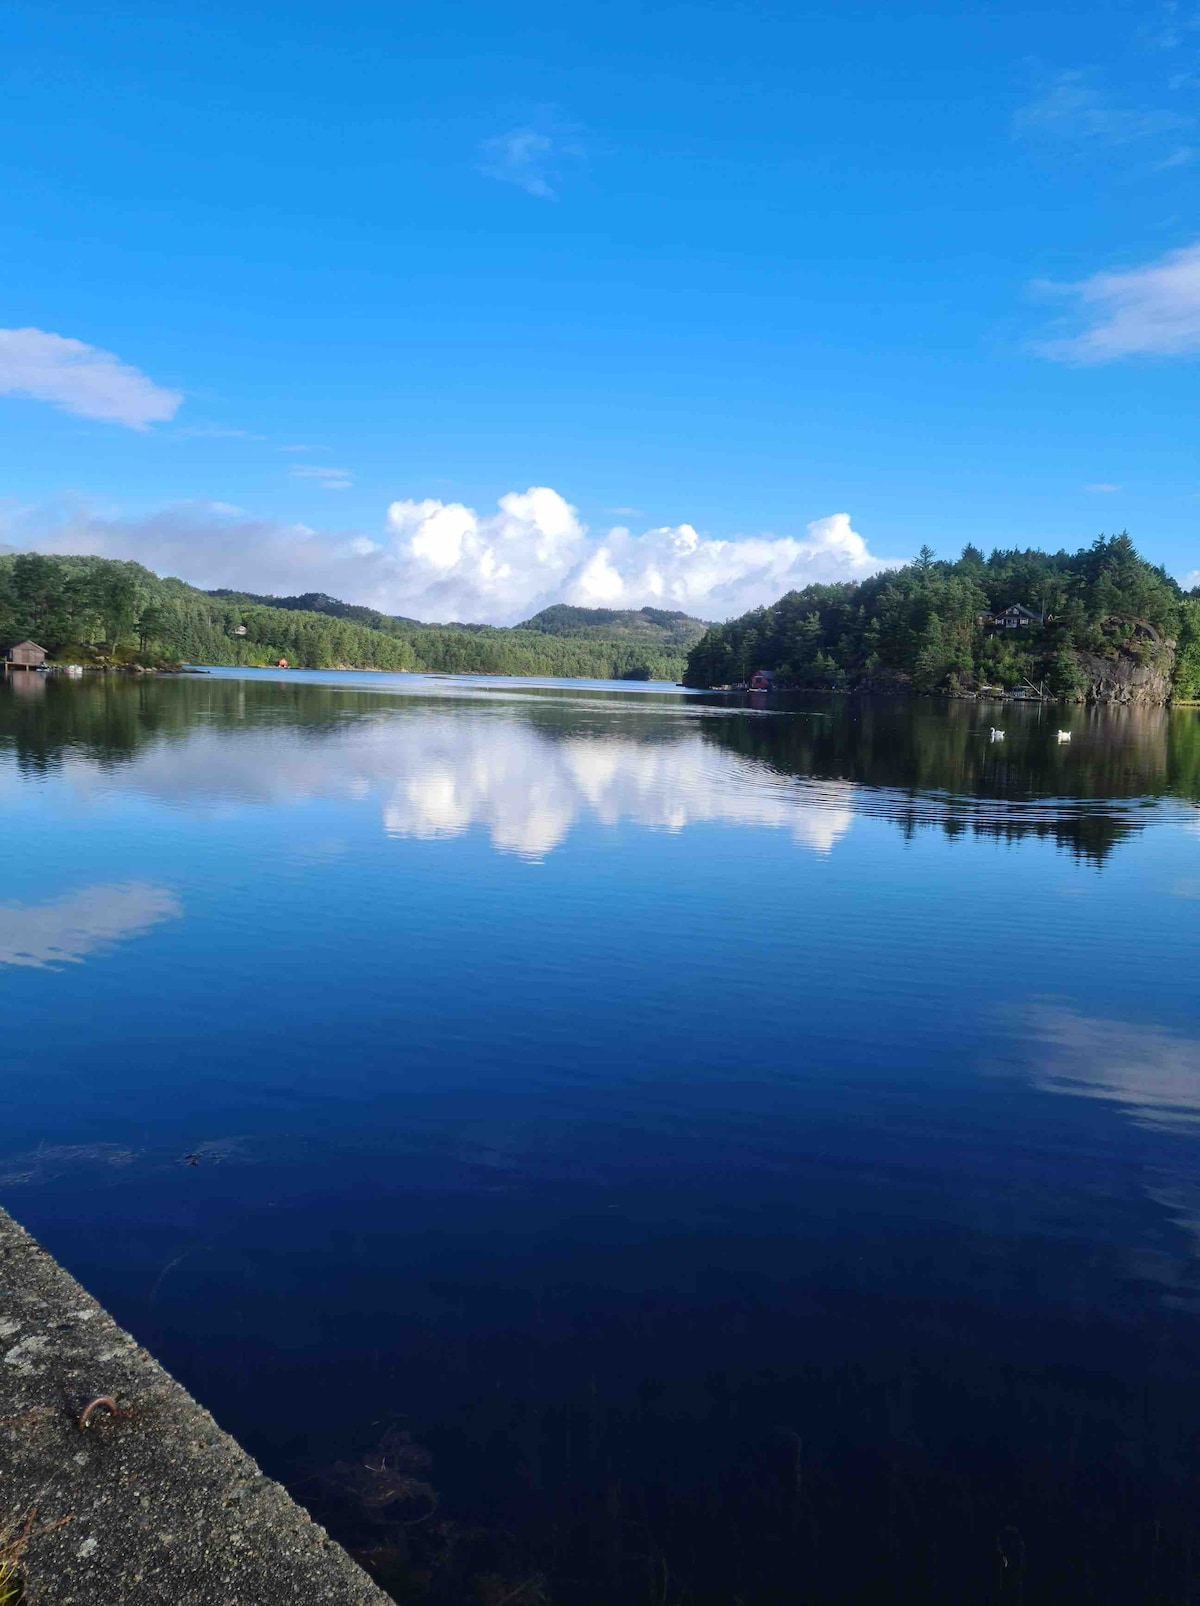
778,292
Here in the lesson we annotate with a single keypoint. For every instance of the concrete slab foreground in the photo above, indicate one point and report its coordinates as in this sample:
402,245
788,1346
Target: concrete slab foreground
162,1505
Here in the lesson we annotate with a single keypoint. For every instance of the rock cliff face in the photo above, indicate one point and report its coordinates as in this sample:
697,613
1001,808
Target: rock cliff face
1125,679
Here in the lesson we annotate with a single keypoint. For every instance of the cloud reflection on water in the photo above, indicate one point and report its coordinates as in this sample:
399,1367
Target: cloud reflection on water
437,775
528,792
1152,1073
46,936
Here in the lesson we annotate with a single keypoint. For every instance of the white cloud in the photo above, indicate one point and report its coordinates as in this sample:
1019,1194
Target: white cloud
1191,580
458,564
215,432
1102,488
329,479
81,379
1152,311
445,561
530,158
1071,109
44,936
676,567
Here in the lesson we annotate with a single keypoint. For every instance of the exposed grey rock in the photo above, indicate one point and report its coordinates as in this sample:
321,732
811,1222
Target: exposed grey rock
1123,678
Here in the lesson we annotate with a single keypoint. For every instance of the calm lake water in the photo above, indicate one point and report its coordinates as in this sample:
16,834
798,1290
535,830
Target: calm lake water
619,1147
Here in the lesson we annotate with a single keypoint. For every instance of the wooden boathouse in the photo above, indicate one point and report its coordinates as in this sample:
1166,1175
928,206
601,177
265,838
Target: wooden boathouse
25,655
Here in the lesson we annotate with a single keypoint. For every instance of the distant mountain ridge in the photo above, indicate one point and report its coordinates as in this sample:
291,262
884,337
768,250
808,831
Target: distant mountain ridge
663,628
318,602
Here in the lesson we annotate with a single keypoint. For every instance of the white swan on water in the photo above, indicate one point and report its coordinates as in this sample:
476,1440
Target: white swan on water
997,736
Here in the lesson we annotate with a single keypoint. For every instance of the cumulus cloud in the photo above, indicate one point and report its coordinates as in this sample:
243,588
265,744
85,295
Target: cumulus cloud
81,379
446,561
676,567
1151,311
464,565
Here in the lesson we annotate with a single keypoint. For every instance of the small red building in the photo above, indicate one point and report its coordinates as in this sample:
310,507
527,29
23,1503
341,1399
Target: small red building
762,680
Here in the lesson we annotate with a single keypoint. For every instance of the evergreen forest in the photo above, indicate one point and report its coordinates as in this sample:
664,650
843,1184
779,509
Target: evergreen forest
929,626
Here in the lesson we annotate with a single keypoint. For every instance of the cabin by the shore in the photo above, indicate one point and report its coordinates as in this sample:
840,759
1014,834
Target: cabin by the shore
25,655
762,680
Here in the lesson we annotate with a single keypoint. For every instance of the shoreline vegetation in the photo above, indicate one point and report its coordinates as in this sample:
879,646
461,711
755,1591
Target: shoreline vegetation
109,614
1096,625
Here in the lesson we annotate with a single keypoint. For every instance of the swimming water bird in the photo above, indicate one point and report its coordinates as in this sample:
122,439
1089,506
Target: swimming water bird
1064,736
997,736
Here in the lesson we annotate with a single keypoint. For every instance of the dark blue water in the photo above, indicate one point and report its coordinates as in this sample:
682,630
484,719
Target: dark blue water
615,1146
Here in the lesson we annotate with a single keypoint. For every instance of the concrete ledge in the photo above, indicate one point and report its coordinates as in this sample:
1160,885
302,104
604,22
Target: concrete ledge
163,1506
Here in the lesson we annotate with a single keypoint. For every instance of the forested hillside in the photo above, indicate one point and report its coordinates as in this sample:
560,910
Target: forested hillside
101,610
929,625
320,602
661,627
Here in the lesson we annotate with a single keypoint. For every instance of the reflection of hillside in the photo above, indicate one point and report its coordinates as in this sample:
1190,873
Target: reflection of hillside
111,718
924,747
938,766
527,764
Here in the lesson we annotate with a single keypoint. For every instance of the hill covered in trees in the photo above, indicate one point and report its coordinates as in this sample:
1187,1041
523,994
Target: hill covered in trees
103,610
931,627
660,628
671,631
320,602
